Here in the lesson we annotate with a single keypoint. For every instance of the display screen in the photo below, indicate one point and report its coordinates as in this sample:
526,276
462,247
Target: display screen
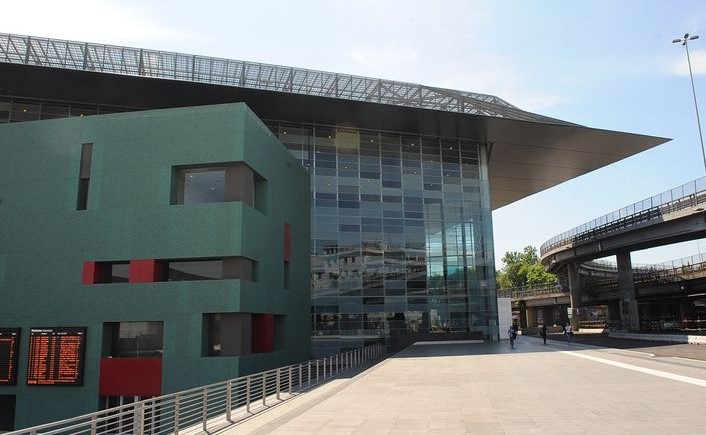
56,356
9,348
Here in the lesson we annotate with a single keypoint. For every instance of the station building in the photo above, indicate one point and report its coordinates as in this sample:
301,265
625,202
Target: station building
145,253
403,179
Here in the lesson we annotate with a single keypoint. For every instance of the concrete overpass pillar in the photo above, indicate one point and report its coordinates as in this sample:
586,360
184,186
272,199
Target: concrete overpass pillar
531,313
629,316
574,294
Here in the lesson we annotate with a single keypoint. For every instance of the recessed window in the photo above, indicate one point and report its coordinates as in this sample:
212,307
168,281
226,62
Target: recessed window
118,272
225,183
202,185
136,339
195,270
7,412
227,334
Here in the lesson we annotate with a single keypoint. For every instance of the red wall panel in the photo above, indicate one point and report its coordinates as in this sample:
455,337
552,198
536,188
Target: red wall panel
263,333
130,377
93,273
145,270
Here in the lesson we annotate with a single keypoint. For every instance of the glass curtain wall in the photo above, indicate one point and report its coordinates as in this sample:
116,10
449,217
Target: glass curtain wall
401,235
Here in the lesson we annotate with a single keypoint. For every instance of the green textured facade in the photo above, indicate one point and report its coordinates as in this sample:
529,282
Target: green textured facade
132,212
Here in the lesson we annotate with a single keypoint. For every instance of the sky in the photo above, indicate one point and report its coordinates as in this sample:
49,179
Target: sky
604,64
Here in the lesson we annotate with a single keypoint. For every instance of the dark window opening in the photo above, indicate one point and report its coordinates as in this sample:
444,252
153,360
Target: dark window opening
118,272
227,334
84,176
194,270
136,339
7,412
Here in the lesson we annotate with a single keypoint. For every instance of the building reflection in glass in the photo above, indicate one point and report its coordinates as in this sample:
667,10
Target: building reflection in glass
401,235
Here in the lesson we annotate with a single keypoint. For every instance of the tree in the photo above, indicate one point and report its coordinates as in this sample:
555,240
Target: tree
522,269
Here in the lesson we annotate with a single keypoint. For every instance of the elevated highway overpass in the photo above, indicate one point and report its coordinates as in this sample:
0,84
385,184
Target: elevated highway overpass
673,216
671,296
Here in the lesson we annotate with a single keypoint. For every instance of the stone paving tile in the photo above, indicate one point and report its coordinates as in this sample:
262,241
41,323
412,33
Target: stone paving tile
491,389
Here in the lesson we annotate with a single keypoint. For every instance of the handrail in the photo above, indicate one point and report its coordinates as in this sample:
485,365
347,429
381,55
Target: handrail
210,407
686,196
533,290
74,55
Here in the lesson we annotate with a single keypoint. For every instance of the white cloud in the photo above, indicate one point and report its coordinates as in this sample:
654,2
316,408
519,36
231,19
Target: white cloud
85,20
698,63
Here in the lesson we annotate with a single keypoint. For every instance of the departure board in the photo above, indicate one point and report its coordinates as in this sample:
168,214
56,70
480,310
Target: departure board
56,356
9,348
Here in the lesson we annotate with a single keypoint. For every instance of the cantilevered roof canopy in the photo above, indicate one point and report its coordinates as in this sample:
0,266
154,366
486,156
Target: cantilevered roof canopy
528,152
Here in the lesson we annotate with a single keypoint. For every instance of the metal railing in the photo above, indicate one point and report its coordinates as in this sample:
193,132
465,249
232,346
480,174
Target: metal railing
32,50
211,407
542,290
686,196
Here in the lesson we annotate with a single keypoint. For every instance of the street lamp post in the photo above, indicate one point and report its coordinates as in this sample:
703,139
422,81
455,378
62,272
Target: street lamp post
685,42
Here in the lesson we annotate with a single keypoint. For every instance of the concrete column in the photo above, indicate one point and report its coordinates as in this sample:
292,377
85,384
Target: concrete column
522,308
574,294
629,316
614,312
531,314
548,315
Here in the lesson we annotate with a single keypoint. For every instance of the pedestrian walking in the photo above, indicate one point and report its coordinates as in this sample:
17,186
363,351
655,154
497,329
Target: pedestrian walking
543,333
512,335
568,332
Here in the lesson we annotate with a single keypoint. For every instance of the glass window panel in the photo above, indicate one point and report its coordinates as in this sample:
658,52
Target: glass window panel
136,339
202,185
195,270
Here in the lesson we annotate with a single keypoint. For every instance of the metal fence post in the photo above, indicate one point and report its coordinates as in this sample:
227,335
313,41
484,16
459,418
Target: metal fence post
278,382
264,389
308,375
290,380
138,423
247,394
229,398
94,426
204,414
176,415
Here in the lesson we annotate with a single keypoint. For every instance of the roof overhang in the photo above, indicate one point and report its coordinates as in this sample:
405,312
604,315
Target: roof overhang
525,157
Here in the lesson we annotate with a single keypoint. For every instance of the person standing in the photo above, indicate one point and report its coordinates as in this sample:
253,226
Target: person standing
568,332
543,333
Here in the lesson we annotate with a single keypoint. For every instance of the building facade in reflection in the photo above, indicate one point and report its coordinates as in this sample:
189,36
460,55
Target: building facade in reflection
401,234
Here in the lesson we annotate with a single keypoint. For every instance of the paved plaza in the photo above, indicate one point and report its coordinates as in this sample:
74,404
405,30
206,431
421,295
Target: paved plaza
489,388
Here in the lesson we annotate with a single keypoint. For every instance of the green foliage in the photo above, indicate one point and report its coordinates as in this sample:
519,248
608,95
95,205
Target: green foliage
522,269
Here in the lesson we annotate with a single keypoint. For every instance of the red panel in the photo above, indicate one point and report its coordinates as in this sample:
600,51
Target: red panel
93,273
263,333
287,242
145,271
130,377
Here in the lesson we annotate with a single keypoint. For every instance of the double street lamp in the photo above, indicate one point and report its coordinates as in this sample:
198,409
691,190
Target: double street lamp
685,42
